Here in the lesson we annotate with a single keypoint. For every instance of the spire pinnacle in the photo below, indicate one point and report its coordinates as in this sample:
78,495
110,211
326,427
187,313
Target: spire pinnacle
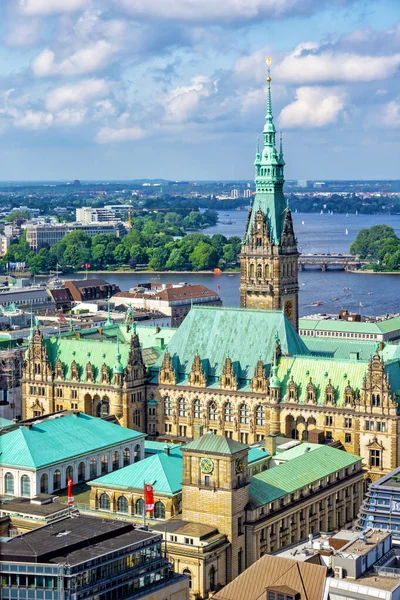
109,319
269,128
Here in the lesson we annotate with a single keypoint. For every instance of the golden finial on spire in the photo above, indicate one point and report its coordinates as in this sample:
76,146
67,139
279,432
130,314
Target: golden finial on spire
268,60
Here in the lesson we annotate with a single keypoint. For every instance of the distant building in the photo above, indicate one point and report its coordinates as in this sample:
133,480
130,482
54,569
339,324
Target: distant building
111,212
25,296
38,456
302,183
387,330
83,290
44,235
5,242
247,193
80,557
174,300
235,193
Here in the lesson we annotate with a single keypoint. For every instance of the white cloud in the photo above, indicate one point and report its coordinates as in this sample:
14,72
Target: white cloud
212,11
183,101
108,135
86,60
391,114
70,117
34,119
23,33
50,7
76,94
307,64
313,107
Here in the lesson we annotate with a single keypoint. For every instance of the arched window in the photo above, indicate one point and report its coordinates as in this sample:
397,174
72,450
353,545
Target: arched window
197,409
136,418
212,578
81,472
44,484
37,369
104,502
159,510
251,270
188,574
228,412
25,486
115,461
167,405
259,271
122,504
103,409
126,457
139,506
266,271
9,484
93,468
376,400
212,411
182,407
137,453
260,415
69,473
56,479
104,464
244,413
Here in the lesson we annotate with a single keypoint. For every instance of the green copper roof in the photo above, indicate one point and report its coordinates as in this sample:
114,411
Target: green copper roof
296,451
320,370
387,326
163,472
53,440
152,447
243,335
5,423
255,454
298,473
216,444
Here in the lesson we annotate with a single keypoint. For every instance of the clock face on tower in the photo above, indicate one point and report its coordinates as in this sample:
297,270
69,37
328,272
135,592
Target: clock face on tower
239,465
207,465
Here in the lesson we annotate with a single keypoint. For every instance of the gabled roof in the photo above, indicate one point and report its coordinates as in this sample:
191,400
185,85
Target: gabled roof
162,471
320,370
273,572
55,439
5,423
243,335
298,473
216,444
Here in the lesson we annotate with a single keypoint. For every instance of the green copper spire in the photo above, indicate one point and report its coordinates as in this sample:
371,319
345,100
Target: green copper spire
274,380
281,159
32,328
269,177
118,367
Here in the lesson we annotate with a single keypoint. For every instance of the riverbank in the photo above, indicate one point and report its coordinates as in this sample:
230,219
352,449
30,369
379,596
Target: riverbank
371,272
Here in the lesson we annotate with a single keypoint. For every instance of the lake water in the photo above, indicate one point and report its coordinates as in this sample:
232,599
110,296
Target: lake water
316,233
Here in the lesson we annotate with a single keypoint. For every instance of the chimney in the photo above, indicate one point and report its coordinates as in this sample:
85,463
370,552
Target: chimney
197,431
158,329
270,443
381,346
167,449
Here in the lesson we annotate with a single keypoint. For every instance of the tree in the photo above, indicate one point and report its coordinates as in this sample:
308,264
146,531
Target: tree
121,254
229,254
203,257
218,241
177,261
364,244
392,261
158,259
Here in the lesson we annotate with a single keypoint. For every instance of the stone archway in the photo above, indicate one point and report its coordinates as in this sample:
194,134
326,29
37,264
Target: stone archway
290,426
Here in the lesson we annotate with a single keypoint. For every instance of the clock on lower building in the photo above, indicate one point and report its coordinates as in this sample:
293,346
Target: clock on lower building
207,465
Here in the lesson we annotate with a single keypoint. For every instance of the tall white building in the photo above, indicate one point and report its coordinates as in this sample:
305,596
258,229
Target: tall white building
235,193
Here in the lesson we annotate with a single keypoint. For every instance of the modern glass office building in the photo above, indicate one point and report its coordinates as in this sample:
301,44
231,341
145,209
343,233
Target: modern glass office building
81,557
381,506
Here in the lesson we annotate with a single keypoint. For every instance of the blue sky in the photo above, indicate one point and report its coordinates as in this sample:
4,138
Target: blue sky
125,89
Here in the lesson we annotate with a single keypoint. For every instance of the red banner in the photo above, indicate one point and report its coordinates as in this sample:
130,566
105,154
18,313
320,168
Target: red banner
70,483
149,497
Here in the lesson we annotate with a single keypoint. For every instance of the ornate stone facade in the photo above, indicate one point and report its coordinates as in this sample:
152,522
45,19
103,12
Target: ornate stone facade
64,373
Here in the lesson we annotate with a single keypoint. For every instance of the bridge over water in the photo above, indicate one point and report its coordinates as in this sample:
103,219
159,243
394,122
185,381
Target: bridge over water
338,262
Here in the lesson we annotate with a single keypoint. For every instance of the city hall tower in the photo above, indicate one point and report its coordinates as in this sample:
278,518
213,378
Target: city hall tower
269,256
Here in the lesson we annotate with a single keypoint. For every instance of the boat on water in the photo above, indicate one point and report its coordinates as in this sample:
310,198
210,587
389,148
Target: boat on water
347,214
322,212
346,232
217,271
334,299
346,289
369,293
356,213
302,222
318,303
